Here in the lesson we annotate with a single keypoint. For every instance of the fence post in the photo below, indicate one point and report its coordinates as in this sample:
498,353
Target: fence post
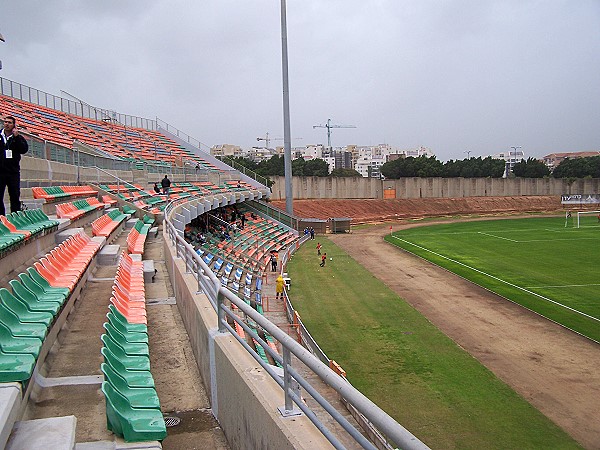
221,312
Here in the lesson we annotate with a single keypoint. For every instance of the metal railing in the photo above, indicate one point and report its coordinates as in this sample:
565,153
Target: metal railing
208,283
182,135
276,213
249,173
77,108
82,155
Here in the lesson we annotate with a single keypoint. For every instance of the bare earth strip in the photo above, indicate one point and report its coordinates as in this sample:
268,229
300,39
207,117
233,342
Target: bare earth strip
556,370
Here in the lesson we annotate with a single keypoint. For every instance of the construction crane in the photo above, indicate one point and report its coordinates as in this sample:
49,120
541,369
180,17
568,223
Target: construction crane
329,126
268,139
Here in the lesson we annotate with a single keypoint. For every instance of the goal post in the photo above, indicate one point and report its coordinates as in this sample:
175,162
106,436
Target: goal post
587,218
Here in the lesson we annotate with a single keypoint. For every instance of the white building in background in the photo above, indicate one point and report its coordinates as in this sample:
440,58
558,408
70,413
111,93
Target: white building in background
510,157
229,150
365,159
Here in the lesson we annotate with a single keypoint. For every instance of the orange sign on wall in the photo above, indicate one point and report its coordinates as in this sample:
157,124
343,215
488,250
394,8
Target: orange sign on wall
389,193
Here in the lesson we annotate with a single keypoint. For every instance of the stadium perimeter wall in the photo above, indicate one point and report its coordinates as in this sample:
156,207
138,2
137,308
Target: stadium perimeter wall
410,188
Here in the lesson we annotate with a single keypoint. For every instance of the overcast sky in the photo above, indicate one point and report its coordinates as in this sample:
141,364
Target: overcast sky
453,75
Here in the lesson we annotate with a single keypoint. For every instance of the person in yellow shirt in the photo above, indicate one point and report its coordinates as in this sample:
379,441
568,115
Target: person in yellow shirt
279,283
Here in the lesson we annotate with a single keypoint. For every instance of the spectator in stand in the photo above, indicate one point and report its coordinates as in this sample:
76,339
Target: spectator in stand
279,283
12,146
156,188
273,262
243,219
166,185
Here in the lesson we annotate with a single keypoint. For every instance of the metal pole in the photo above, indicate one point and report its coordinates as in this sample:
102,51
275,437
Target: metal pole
514,147
287,141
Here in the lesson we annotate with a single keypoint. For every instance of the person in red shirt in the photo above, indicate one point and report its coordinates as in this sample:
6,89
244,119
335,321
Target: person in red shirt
323,259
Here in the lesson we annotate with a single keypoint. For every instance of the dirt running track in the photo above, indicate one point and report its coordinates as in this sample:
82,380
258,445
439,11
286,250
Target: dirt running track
556,370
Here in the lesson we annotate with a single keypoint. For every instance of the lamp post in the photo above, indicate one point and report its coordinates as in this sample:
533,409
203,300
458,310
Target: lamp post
515,148
468,152
287,141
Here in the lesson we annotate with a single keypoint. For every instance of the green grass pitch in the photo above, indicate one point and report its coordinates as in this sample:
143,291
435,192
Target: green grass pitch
536,262
403,363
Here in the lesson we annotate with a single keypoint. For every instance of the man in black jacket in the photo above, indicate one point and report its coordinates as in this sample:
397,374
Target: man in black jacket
12,146
166,185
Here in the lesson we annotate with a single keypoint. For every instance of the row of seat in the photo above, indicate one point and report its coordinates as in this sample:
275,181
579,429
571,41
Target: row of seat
19,226
60,192
136,239
132,405
106,224
37,298
78,208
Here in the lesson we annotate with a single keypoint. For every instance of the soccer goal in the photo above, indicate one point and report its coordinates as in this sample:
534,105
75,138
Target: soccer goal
588,219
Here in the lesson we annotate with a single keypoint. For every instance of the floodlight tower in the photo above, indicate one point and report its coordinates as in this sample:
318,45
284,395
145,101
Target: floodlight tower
287,136
329,126
515,148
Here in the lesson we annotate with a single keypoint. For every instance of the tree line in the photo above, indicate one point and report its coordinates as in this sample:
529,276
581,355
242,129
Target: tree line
424,166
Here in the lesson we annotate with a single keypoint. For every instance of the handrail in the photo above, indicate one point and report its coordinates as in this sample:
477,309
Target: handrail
276,213
182,135
26,93
210,285
248,172
119,180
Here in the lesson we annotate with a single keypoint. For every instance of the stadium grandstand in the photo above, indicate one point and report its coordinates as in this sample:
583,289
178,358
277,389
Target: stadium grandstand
125,312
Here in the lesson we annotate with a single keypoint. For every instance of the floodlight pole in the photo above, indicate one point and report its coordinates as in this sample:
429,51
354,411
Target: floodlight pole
287,140
515,148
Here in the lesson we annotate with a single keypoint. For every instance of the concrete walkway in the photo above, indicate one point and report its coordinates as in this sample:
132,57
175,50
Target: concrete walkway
72,372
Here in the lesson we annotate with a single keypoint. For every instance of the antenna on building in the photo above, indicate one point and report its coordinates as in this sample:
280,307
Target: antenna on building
329,126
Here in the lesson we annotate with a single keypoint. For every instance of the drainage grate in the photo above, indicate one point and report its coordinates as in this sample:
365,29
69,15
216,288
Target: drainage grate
172,421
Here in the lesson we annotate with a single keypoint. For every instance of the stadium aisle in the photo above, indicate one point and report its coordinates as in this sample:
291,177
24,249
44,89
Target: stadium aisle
178,384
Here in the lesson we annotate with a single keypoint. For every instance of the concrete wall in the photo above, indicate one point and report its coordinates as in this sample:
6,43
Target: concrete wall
244,398
337,187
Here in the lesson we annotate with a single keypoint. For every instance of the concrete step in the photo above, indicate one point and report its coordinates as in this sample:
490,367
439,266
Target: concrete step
10,403
57,433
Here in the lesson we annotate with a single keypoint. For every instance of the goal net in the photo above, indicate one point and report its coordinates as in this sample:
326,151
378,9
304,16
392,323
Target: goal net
587,219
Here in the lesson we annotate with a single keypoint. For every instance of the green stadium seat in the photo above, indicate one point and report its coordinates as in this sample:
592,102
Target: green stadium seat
134,424
134,378
40,293
138,397
116,316
45,285
32,301
128,335
130,348
19,308
15,367
18,328
13,344
131,362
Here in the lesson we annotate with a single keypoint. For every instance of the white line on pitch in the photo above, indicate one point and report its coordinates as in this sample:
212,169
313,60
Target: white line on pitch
497,237
500,280
562,286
